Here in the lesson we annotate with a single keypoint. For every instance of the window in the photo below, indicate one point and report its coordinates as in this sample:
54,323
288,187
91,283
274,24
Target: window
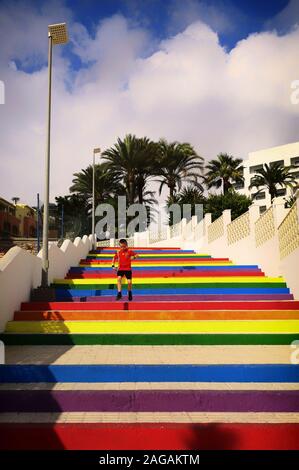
281,192
240,185
263,209
253,169
278,162
259,196
295,161
252,179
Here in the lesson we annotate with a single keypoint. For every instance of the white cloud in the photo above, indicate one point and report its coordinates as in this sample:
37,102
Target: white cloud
286,19
189,89
219,18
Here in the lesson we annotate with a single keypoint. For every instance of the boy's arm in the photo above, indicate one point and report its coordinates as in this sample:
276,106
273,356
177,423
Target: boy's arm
134,255
115,258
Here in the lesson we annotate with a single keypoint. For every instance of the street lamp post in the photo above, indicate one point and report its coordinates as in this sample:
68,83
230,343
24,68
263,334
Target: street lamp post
57,34
96,150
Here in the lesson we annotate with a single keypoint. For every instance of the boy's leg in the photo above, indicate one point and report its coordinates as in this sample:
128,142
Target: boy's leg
118,296
119,284
129,280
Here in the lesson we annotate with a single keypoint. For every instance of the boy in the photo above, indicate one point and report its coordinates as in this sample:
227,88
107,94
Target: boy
124,257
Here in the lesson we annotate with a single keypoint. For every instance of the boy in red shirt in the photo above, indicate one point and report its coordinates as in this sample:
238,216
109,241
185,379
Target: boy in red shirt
124,257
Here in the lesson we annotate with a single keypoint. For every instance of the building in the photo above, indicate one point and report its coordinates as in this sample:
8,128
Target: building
9,222
28,220
286,154
17,220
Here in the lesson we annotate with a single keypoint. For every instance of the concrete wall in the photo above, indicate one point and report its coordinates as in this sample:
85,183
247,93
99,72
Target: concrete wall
255,239
260,157
20,271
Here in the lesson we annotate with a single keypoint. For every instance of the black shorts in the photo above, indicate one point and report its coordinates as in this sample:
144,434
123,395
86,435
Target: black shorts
123,272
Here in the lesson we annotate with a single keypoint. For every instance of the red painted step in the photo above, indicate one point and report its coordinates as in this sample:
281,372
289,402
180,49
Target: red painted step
151,261
150,248
165,274
163,305
158,436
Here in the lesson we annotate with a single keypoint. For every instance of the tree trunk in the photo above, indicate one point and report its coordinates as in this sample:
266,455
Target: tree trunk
171,190
226,186
273,193
131,189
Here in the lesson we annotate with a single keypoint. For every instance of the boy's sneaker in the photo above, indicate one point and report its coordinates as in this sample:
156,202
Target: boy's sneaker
130,296
118,297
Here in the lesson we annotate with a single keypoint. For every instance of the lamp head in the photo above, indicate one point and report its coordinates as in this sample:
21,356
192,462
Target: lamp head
58,32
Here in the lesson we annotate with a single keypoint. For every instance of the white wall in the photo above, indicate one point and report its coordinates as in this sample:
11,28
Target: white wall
260,157
20,271
246,250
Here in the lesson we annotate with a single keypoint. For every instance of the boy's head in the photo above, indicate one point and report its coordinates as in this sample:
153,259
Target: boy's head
123,243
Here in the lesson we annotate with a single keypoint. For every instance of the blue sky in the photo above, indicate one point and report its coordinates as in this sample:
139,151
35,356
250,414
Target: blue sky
217,74
233,20
246,16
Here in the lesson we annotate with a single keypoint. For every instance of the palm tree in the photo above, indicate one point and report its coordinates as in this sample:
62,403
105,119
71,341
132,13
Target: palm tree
191,195
272,175
177,163
224,171
106,183
75,208
188,195
132,160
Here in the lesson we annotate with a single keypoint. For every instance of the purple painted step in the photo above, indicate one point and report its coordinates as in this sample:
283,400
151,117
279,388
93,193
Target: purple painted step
186,297
149,400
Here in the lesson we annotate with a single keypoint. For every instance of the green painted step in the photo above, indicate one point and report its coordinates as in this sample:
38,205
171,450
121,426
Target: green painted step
148,339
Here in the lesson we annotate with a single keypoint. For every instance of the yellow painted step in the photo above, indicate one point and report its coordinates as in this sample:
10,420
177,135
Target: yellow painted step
178,280
152,326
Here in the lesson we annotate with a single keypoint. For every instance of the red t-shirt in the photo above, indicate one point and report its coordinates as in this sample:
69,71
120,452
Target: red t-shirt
124,258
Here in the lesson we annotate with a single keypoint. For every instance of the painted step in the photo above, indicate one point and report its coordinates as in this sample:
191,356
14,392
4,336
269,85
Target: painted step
158,248
208,280
123,305
37,401
165,274
174,269
157,326
93,296
150,435
143,250
148,354
147,339
180,262
150,373
64,315
154,255
148,284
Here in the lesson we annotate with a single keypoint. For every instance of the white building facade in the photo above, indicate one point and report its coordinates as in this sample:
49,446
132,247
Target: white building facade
286,154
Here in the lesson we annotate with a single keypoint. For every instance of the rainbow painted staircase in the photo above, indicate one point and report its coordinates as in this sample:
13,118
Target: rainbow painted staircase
200,359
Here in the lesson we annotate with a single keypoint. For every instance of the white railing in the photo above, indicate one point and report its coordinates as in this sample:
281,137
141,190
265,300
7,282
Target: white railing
238,228
176,230
265,227
158,236
216,229
288,233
